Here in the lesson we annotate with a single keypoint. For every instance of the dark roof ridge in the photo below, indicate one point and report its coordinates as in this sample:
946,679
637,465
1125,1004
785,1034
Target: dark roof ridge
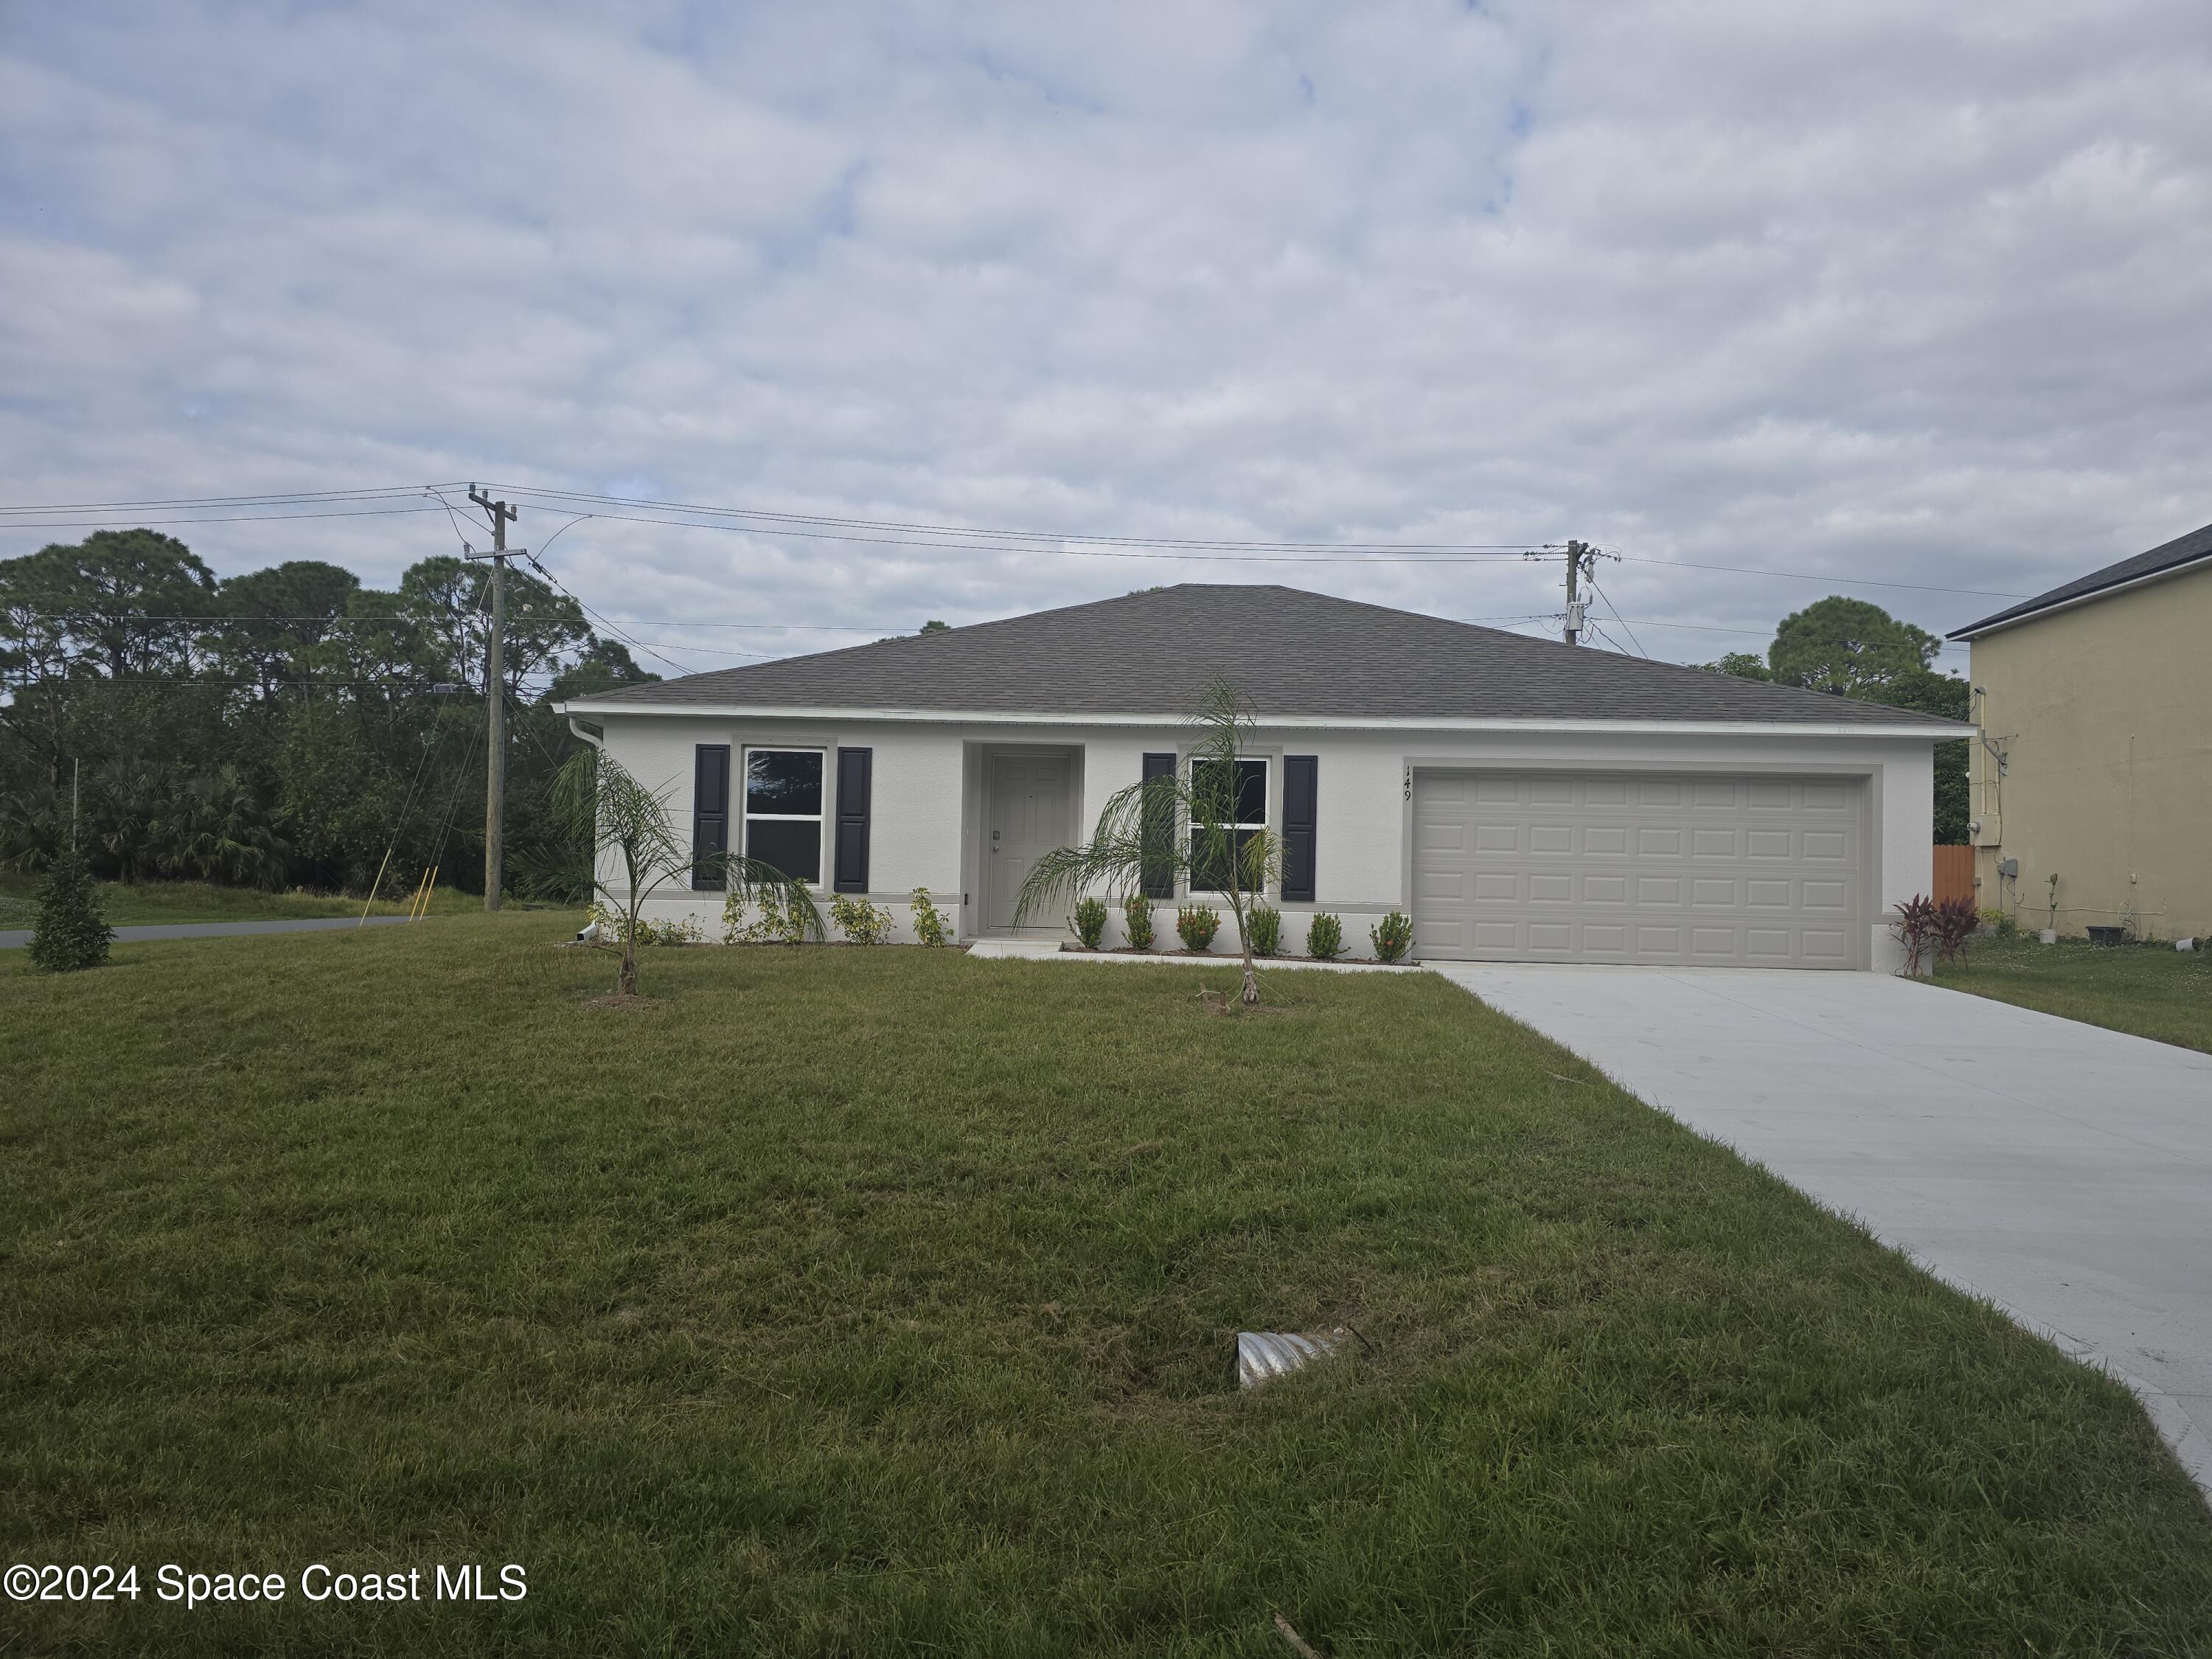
2178,553
1296,653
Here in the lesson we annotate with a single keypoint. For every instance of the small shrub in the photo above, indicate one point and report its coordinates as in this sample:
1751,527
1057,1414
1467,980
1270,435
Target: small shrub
70,932
1392,936
860,921
930,926
1267,924
684,930
1136,917
1914,927
2007,924
777,923
1324,938
1956,921
1089,922
1198,924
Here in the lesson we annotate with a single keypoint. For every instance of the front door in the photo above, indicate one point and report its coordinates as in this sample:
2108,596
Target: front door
1028,819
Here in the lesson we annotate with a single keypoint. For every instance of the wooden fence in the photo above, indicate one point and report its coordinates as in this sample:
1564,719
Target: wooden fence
1955,873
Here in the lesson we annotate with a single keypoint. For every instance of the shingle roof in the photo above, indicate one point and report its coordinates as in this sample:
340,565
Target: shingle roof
2172,556
1294,654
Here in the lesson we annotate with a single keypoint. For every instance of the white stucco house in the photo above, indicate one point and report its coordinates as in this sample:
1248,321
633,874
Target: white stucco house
1522,801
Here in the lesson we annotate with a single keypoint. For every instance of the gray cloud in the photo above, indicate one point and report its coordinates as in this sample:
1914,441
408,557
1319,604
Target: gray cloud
1880,290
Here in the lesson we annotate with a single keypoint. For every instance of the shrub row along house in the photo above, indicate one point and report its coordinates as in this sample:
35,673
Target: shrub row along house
1522,800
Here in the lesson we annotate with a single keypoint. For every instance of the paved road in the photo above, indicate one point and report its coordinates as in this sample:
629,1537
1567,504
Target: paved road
2063,1170
15,938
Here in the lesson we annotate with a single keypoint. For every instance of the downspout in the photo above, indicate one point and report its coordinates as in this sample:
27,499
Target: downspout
576,729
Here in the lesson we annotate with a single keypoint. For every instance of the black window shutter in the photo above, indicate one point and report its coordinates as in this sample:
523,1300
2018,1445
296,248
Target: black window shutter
1301,804
1158,830
710,813
856,780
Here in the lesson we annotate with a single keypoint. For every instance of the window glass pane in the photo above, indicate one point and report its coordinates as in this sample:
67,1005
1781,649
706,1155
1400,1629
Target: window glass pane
1212,791
1231,797
1251,792
793,849
1207,874
783,780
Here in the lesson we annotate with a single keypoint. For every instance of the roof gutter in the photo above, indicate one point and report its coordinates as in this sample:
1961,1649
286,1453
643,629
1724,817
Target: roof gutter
1939,730
1994,626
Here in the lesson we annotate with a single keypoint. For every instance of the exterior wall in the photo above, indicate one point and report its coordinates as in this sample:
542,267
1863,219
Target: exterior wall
928,801
2103,713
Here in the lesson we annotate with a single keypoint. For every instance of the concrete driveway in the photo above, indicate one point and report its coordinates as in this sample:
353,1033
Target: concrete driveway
2060,1170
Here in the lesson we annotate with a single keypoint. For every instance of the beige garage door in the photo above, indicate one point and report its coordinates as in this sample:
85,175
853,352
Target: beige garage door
1638,867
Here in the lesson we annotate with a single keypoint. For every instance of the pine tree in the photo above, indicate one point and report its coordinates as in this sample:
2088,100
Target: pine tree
72,933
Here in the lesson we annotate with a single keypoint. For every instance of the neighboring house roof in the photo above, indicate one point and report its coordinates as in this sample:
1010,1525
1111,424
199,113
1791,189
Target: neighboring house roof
2163,561
1295,655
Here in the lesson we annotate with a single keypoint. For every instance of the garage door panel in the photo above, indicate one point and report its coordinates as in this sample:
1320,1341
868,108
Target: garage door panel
1830,948
1635,868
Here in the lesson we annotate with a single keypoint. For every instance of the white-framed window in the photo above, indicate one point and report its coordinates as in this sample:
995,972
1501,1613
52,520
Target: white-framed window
1246,791
783,810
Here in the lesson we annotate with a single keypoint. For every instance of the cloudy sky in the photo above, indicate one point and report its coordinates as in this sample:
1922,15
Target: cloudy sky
1878,291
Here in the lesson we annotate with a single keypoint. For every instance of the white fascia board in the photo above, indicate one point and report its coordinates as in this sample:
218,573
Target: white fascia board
1948,729
2079,599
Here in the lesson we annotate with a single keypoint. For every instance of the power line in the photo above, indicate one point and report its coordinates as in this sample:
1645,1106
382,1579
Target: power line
908,527
906,533
1806,576
272,499
424,622
1468,557
1617,617
627,639
136,521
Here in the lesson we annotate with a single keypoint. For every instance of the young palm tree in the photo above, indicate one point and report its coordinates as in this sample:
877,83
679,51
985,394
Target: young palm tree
1183,823
603,804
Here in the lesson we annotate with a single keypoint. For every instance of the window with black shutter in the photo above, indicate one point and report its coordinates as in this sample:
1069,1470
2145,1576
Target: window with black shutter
783,811
855,768
1301,802
1157,829
710,814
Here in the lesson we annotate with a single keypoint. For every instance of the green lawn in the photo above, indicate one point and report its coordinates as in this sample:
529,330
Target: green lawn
130,905
2151,990
846,1302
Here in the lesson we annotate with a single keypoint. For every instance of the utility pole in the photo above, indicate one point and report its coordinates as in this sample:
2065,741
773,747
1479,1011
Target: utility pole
1576,553
495,698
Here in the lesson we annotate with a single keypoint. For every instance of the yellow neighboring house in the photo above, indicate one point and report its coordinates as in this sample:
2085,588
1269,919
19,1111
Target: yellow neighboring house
2094,764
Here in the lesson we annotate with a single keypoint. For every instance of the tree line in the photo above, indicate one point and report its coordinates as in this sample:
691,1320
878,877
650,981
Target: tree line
1852,648
289,726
